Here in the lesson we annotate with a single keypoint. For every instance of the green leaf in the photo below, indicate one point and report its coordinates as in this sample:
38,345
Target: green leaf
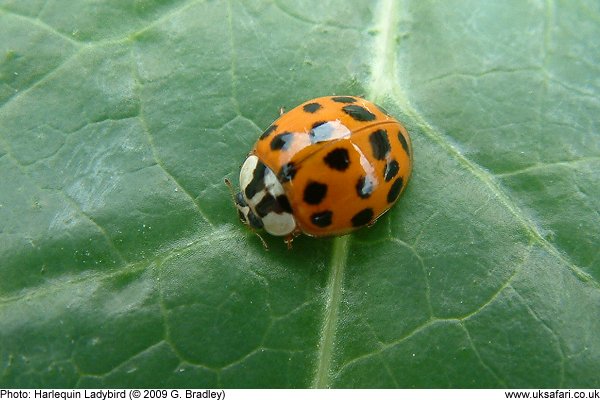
122,262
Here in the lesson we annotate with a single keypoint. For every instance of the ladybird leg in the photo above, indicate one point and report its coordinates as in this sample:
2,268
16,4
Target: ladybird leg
250,153
288,241
370,224
281,111
290,237
261,239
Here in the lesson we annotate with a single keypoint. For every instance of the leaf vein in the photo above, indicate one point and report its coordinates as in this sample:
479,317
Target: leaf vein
483,363
387,346
421,261
119,365
481,74
76,206
42,25
33,85
552,333
157,158
333,299
539,166
488,179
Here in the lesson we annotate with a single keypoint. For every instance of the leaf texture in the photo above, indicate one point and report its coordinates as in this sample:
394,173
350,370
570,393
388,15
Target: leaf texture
122,262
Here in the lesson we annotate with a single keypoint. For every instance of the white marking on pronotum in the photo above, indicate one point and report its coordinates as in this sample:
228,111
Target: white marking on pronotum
277,224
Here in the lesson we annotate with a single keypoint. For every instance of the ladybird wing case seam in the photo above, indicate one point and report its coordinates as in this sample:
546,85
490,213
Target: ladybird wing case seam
359,178
326,144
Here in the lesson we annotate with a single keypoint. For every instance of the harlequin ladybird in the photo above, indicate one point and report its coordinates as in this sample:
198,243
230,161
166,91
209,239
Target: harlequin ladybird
327,167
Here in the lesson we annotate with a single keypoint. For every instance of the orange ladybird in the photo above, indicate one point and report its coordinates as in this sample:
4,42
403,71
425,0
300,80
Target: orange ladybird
327,167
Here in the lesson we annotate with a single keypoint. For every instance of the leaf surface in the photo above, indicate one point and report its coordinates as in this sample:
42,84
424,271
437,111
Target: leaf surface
122,262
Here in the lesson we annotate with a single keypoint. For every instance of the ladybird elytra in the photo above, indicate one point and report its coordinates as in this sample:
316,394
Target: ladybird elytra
325,168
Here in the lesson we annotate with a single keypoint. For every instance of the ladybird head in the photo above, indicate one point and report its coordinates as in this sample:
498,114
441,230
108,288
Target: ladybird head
261,202
247,216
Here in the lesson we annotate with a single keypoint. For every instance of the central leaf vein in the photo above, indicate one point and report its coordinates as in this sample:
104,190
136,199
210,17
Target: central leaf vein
333,299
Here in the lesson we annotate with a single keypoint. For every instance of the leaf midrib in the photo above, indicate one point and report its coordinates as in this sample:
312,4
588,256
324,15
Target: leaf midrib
333,296
382,67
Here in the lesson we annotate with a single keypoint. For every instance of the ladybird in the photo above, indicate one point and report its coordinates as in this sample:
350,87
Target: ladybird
327,167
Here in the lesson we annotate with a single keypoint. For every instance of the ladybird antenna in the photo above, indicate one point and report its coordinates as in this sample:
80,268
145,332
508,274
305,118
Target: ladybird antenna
231,189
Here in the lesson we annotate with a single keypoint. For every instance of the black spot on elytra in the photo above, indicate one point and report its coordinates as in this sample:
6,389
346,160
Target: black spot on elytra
284,203
338,159
269,130
395,190
344,99
358,113
321,219
379,143
311,107
403,142
287,172
391,170
283,141
362,217
258,181
315,192
364,187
